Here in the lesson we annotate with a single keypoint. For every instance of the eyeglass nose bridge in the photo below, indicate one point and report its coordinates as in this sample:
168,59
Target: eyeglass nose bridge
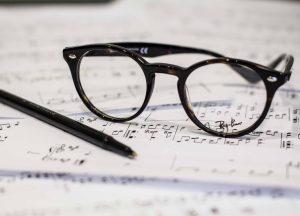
165,68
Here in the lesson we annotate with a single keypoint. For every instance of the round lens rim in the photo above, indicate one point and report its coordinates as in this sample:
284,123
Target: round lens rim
181,85
98,112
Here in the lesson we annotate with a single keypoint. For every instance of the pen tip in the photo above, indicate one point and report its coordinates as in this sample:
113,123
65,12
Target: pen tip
133,155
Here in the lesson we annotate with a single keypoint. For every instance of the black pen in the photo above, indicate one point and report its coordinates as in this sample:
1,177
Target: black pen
66,124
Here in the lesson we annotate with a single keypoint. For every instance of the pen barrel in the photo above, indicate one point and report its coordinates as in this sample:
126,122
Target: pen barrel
64,123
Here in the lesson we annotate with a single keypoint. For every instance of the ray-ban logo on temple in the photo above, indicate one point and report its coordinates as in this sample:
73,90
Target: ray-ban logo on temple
223,96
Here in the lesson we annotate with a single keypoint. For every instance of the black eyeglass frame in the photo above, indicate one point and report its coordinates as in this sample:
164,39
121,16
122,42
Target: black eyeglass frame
272,78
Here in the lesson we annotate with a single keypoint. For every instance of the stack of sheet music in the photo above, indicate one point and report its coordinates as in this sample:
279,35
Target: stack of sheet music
179,170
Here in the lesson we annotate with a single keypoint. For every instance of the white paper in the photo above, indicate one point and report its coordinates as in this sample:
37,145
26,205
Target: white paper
65,194
168,144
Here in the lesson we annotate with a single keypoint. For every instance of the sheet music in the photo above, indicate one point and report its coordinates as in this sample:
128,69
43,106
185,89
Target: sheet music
66,194
168,144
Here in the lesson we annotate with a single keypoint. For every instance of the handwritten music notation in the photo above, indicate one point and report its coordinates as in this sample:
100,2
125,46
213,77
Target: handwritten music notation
36,71
61,154
168,143
166,196
6,126
188,153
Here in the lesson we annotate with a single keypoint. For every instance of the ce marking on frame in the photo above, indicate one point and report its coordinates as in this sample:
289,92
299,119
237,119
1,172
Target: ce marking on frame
144,50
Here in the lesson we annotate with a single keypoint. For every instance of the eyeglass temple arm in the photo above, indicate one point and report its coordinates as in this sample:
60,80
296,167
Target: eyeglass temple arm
155,50
287,67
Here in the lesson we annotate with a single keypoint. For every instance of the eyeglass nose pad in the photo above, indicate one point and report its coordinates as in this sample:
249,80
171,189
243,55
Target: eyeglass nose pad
187,97
187,93
150,87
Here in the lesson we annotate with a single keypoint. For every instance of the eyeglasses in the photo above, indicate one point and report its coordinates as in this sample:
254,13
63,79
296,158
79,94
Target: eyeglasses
223,96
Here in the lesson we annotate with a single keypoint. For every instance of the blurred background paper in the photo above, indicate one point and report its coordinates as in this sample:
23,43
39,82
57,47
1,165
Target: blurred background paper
52,1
